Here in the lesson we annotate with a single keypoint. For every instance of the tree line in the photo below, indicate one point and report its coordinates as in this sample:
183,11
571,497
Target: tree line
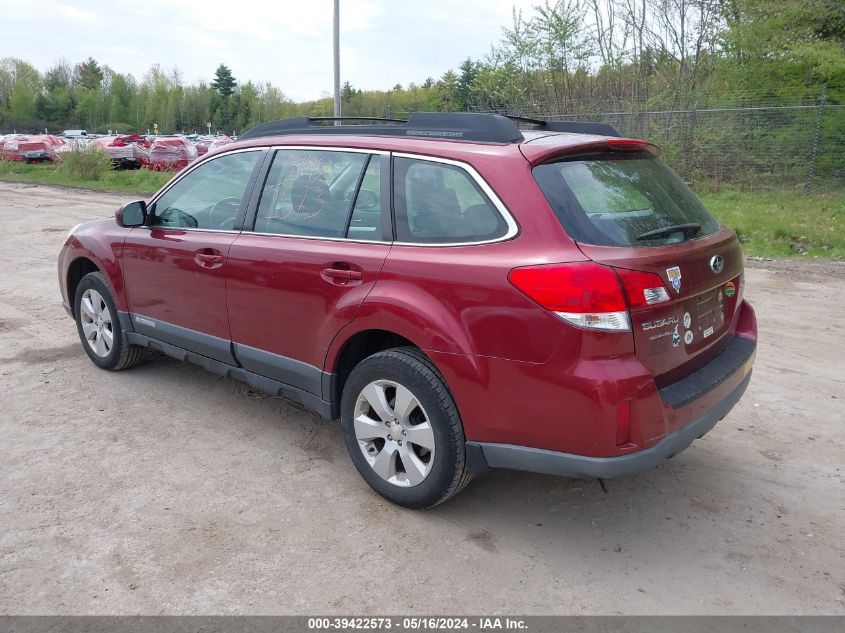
563,56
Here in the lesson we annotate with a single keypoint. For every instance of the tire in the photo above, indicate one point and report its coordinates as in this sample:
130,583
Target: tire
428,465
99,328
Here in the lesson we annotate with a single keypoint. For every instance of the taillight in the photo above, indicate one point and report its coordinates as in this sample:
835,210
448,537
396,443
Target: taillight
585,294
643,289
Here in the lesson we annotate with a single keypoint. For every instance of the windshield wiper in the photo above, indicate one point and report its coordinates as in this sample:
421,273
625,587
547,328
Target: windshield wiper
689,230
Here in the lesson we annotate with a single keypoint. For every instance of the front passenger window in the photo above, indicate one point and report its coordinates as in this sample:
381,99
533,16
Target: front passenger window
208,197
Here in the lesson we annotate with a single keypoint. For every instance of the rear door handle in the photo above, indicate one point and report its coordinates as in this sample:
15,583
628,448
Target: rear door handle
208,258
342,274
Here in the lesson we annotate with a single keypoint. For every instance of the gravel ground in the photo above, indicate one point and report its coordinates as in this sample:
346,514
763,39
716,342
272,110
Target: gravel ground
166,489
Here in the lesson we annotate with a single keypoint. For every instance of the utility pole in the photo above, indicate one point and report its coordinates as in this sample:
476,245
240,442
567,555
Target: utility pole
337,58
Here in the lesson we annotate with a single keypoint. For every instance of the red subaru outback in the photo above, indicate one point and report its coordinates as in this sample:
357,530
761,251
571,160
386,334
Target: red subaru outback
462,294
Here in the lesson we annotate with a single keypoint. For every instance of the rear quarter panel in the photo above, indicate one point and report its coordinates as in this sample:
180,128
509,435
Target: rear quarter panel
457,299
456,303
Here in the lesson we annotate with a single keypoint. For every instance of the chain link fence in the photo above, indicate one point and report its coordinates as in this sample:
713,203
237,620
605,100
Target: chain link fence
743,143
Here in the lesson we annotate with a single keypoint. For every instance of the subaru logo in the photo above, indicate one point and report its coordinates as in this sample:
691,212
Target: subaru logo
717,263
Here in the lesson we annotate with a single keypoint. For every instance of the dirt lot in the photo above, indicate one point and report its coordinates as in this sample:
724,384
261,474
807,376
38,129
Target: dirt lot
166,489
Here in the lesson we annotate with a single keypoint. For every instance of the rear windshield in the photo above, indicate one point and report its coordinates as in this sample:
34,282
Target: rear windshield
616,199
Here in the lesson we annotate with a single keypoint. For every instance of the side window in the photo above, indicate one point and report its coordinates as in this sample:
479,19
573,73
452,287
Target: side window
209,196
365,223
438,203
309,193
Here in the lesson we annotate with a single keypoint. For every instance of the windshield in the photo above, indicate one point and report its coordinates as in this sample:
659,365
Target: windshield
618,199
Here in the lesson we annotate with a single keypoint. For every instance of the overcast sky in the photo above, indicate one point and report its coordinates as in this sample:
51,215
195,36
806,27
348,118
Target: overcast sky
287,42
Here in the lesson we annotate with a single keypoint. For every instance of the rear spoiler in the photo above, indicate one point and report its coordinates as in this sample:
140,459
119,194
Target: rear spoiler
541,152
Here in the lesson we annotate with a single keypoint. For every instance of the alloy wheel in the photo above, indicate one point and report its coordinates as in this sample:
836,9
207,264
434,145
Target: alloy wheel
394,433
97,326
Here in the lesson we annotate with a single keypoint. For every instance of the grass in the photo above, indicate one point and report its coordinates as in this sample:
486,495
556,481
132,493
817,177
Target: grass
784,223
88,163
773,224
140,181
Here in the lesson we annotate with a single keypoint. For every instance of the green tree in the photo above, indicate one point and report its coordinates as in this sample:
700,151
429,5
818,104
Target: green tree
448,87
346,93
89,74
463,94
224,83
247,101
771,44
22,103
59,75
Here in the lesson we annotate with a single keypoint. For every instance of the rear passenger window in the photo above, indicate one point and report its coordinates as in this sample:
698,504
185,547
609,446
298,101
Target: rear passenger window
309,193
440,204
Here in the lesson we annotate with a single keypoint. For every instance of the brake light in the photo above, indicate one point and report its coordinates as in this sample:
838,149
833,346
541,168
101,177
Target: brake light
622,144
643,289
585,294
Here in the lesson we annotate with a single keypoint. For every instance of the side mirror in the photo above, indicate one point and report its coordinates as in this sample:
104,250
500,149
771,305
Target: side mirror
132,214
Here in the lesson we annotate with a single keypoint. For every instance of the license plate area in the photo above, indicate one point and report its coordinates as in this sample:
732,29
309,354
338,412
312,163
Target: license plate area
705,318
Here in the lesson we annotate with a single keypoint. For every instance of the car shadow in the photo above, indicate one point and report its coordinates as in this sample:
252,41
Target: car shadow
642,517
665,504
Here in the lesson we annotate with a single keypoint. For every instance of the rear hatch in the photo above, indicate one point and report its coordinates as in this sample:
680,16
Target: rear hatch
627,210
33,149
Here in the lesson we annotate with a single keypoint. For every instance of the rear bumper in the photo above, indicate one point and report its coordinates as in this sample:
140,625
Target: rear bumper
489,455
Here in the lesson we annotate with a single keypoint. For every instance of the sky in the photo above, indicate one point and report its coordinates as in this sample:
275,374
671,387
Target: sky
286,42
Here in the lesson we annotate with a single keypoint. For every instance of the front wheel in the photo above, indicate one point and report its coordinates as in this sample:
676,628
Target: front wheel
99,326
402,429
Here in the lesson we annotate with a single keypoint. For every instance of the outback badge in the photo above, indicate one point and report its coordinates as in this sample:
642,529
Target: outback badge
674,275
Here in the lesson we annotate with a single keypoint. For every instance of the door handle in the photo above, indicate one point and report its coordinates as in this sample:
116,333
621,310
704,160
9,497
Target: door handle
342,274
209,258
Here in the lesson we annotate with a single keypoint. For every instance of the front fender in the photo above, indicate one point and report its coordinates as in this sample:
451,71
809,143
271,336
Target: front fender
101,242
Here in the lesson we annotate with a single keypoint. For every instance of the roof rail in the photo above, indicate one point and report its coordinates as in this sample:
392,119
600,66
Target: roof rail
453,126
355,118
457,126
576,127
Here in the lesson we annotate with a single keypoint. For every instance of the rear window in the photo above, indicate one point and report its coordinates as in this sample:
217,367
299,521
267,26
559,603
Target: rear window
616,199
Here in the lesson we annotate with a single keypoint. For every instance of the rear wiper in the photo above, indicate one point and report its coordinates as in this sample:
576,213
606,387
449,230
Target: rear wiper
689,230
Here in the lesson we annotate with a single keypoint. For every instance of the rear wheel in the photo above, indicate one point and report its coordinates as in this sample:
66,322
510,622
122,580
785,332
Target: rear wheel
99,326
402,429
